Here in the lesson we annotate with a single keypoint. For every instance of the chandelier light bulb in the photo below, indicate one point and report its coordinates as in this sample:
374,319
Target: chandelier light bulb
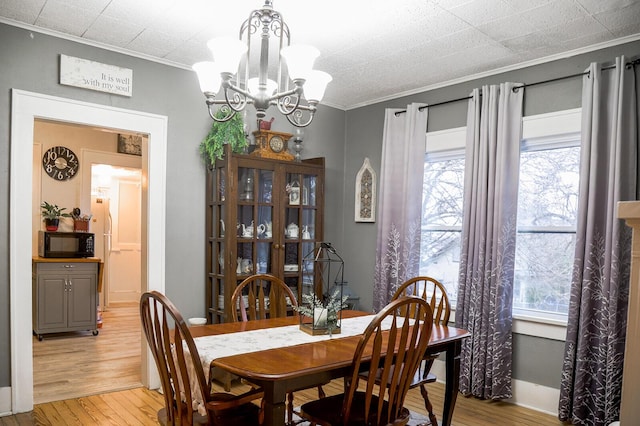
208,76
315,85
253,84
300,59
227,53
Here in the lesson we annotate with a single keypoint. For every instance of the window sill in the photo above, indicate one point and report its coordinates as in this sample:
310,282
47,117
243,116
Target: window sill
547,328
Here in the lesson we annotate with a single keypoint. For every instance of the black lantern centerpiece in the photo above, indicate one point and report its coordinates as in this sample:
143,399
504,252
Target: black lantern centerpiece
323,301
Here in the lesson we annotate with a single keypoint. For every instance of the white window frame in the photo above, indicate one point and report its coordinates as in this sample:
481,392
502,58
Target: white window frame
537,130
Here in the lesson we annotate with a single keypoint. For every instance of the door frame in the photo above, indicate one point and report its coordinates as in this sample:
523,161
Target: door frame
25,108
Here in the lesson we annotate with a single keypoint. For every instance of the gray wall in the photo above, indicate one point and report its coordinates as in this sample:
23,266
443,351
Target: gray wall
364,139
30,62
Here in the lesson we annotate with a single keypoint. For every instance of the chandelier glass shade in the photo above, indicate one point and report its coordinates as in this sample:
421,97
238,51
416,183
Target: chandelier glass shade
263,69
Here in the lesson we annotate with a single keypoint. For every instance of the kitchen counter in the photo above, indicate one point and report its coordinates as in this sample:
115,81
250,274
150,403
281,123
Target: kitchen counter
65,295
38,259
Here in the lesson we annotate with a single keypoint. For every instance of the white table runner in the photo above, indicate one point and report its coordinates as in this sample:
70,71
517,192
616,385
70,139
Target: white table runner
222,345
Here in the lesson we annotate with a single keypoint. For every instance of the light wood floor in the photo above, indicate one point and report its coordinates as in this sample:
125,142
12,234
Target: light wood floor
139,407
78,364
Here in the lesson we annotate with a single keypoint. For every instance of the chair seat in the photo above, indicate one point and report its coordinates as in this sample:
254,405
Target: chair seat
242,415
327,411
197,418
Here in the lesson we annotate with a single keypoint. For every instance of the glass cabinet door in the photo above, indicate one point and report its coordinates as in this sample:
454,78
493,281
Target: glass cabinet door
299,227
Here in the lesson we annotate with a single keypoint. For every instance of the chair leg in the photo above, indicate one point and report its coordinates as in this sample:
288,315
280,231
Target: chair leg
321,393
428,406
290,408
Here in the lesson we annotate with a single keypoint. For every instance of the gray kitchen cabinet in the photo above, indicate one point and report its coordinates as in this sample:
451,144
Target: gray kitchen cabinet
64,296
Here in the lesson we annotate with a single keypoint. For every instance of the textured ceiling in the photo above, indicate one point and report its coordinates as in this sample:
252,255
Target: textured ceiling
374,49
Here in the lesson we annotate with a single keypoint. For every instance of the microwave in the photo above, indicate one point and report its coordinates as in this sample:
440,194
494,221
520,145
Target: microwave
65,244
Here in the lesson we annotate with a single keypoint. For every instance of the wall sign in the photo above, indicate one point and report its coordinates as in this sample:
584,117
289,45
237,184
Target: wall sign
95,76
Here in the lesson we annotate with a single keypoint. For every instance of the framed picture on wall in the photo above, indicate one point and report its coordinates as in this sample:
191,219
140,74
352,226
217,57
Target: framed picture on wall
365,200
130,144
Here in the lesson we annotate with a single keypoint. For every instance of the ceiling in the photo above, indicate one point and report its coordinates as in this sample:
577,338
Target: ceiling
374,49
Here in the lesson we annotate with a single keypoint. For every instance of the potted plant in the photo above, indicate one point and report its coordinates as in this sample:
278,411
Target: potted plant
51,214
227,132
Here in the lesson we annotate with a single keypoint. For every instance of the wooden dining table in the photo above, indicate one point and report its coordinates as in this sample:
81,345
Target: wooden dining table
283,369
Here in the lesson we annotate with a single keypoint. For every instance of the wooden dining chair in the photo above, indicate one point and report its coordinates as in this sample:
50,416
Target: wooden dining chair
172,347
435,294
267,296
262,296
384,345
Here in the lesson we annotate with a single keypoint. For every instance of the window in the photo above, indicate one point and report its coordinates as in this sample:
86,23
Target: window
547,204
442,208
547,212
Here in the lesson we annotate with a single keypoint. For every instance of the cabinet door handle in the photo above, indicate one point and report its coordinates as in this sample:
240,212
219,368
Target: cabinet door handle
68,266
276,246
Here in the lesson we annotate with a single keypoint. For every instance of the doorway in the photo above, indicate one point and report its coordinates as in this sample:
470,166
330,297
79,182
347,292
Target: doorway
26,108
116,190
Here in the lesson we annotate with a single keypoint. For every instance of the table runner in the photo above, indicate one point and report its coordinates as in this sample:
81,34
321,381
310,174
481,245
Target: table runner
242,342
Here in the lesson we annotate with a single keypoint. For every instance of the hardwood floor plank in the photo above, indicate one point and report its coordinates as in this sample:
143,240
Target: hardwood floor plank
72,365
123,415
139,407
70,418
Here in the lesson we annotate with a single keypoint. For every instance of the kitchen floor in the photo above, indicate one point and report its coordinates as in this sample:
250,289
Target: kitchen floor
79,364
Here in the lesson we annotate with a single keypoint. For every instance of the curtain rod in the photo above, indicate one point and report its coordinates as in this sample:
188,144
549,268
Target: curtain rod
397,113
628,65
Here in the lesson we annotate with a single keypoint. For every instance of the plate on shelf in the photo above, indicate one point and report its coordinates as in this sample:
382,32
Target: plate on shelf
291,268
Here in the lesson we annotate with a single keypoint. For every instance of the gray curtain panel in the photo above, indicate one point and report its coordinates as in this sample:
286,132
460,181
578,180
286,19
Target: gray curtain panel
399,201
594,351
485,288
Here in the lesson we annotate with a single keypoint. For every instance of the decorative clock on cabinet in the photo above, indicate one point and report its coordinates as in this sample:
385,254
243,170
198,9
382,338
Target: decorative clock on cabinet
60,163
271,144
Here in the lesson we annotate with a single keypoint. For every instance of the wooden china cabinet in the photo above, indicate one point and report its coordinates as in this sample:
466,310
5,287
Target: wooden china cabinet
263,215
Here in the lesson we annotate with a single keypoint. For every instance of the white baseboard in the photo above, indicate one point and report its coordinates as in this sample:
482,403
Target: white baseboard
525,394
5,402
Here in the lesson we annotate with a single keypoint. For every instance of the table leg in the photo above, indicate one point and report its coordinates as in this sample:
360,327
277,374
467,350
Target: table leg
453,381
274,404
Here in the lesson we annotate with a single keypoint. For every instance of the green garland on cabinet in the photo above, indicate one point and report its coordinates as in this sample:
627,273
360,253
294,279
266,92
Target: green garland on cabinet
222,133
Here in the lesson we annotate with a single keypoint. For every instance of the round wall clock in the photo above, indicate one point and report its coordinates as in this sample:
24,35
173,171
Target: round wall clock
60,163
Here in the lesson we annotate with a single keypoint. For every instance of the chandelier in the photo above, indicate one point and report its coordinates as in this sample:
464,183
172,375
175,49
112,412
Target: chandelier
262,68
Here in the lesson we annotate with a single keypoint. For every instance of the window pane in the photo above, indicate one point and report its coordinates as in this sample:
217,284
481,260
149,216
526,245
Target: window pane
543,271
547,208
442,221
549,187
443,261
